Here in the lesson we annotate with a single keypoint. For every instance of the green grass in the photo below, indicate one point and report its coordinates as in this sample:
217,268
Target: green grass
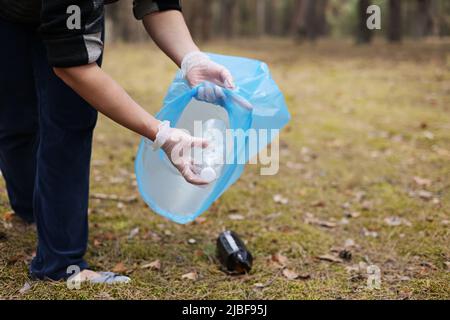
366,120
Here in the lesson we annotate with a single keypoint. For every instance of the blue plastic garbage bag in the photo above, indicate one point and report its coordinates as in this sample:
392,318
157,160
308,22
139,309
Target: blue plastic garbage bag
161,186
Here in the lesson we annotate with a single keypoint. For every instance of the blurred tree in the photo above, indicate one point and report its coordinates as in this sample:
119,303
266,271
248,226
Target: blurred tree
424,19
206,19
260,17
298,17
364,34
124,26
304,19
227,16
309,19
395,21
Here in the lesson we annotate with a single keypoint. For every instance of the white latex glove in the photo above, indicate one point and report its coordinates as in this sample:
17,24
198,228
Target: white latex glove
178,145
198,68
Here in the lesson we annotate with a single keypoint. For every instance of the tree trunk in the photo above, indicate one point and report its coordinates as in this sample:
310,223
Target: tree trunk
206,22
424,19
395,21
364,34
228,17
260,17
315,19
123,25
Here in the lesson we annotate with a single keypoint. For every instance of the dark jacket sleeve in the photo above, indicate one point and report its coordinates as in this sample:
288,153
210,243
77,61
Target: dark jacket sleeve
69,43
143,7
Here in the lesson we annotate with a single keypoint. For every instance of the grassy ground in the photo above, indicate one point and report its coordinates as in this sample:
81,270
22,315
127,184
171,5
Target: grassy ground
365,168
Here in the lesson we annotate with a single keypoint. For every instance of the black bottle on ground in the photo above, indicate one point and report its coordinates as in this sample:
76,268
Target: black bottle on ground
232,253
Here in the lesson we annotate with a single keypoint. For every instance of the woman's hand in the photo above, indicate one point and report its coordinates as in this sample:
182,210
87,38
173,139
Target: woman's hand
178,145
198,68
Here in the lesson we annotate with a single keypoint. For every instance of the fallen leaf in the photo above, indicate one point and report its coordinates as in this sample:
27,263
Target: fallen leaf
236,217
259,285
200,220
133,233
366,205
428,135
359,196
310,219
278,198
168,233
318,204
155,265
119,268
330,258
349,243
423,182
423,194
113,197
396,221
368,233
289,274
352,214
294,165
8,216
153,235
279,260
25,288
190,276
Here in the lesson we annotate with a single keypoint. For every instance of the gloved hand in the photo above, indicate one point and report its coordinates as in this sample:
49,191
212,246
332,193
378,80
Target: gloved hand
198,68
178,145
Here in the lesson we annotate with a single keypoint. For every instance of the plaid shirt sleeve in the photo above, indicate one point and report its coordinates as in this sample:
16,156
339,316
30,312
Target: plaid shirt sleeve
143,7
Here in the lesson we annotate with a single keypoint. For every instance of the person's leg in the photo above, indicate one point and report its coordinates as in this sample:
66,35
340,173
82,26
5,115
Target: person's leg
18,117
66,124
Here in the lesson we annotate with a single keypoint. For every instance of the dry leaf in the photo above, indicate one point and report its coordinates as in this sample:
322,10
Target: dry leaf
155,265
278,198
190,276
396,221
279,259
25,288
426,195
330,258
113,197
422,181
119,268
236,217
294,165
318,204
352,214
8,216
368,233
289,274
349,243
200,220
134,232
259,286
310,219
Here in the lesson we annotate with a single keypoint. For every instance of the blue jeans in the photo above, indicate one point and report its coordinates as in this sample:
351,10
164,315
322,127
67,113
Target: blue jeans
46,134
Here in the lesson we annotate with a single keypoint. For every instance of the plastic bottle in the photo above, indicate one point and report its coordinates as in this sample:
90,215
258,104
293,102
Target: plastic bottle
232,253
213,157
